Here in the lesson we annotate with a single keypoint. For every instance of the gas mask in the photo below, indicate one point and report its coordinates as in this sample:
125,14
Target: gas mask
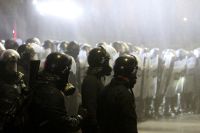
69,89
106,70
133,77
63,84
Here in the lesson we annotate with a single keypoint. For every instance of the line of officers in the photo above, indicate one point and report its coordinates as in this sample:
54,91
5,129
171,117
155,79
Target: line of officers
168,83
77,87
67,91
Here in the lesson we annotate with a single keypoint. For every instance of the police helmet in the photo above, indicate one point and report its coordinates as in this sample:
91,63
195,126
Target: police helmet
73,49
9,55
126,65
11,44
26,51
9,59
63,46
33,40
58,63
97,57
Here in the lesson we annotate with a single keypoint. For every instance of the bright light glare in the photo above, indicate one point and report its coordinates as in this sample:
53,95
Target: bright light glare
185,19
35,2
63,9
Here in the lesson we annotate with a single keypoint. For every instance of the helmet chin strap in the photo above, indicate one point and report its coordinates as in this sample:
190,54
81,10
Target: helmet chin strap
131,85
123,77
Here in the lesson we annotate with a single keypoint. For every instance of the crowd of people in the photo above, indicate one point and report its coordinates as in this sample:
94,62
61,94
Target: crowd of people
60,86
49,88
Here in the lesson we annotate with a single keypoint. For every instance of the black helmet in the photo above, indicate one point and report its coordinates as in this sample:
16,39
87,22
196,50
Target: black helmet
125,66
97,57
11,44
9,59
48,44
63,46
73,49
26,52
58,63
33,40
9,55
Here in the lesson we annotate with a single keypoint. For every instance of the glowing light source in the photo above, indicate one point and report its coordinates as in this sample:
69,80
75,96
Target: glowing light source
35,2
185,19
64,9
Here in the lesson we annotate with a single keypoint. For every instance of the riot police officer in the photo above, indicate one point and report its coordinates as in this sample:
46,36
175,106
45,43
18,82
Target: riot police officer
98,60
33,40
27,62
47,107
13,93
62,47
73,102
121,47
116,103
11,44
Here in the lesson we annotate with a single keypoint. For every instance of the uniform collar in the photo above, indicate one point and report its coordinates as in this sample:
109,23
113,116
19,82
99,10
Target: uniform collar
120,80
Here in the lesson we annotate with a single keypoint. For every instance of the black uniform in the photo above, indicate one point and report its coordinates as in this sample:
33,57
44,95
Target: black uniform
91,87
13,94
47,107
116,103
116,108
98,61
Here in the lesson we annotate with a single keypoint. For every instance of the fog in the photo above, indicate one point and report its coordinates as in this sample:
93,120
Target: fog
149,23
146,23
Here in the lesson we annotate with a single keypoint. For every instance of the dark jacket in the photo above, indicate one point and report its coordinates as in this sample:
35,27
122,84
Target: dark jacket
116,108
13,98
48,109
90,89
